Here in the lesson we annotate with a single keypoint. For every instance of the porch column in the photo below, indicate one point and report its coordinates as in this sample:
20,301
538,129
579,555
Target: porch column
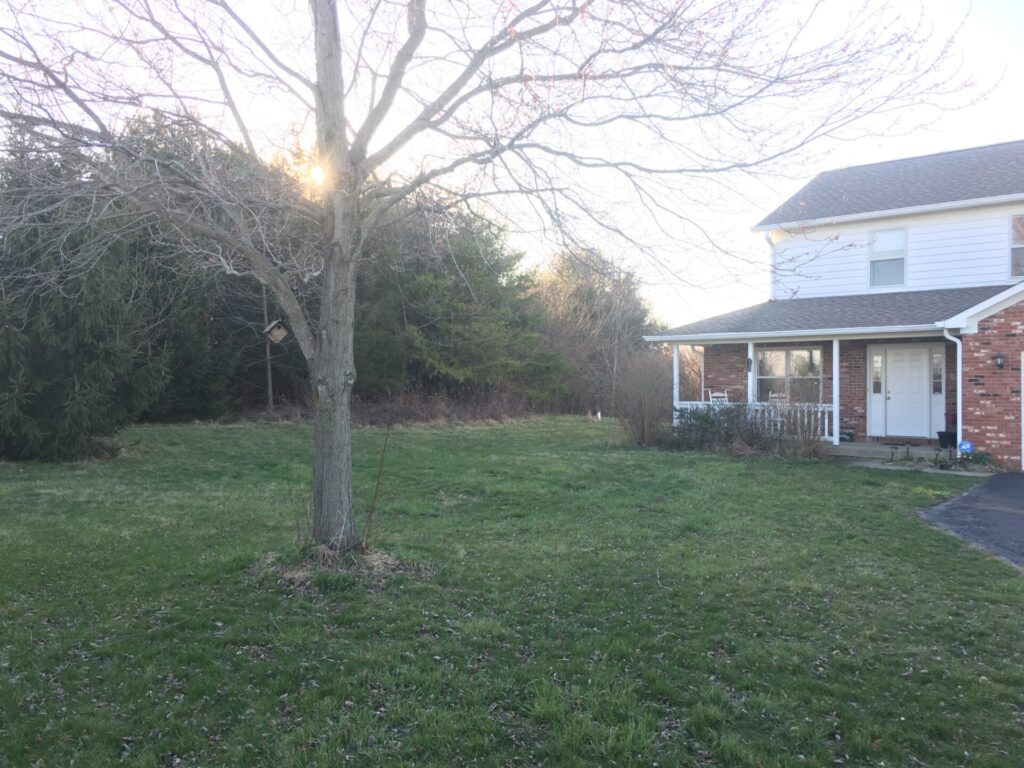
751,374
675,375
835,391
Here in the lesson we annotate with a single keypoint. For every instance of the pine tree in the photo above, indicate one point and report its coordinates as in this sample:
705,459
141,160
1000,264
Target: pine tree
76,361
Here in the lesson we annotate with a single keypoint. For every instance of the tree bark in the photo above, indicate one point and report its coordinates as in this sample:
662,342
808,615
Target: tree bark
334,375
333,368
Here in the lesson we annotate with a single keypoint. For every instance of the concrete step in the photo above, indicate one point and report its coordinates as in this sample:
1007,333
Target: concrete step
887,451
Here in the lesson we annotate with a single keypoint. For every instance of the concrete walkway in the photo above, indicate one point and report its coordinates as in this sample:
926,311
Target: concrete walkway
991,516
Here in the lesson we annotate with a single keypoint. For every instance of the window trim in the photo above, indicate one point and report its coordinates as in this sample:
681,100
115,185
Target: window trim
1011,248
874,256
940,354
788,368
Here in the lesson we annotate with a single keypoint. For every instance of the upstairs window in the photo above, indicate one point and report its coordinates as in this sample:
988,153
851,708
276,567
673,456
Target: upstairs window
1017,246
888,257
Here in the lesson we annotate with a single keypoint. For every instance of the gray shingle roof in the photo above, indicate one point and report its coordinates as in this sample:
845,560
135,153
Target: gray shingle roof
873,310
967,174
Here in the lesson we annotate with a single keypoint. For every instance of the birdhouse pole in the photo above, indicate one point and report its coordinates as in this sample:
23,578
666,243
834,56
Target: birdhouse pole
266,352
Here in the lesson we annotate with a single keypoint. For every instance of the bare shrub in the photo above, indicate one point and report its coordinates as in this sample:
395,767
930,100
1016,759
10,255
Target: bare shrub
644,397
707,429
739,430
793,431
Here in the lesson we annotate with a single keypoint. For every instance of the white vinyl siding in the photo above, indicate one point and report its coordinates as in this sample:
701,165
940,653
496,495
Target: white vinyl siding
954,249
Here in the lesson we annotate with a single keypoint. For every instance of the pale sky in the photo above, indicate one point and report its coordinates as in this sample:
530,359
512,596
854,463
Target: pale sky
990,49
688,280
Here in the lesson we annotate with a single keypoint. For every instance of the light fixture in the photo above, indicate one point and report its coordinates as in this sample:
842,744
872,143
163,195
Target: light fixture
750,365
999,360
276,331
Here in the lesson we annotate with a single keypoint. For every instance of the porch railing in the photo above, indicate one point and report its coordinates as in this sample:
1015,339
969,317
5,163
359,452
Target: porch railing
777,418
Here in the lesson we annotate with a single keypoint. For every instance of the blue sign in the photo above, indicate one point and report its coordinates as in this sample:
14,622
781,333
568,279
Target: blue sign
966,446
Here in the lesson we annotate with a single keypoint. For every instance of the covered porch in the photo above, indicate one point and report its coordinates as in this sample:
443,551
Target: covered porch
885,368
892,390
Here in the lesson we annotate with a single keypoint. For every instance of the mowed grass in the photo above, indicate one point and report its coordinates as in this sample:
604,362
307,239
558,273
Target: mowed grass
593,604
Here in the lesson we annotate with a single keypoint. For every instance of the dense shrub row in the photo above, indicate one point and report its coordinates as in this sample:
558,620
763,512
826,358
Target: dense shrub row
731,429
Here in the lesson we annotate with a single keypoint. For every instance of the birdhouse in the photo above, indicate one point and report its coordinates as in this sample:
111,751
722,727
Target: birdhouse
276,331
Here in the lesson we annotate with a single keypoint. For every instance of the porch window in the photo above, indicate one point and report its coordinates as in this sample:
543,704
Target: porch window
937,369
793,375
888,257
1017,246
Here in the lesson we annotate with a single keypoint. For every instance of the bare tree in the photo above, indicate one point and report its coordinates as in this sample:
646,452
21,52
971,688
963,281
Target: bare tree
599,117
595,320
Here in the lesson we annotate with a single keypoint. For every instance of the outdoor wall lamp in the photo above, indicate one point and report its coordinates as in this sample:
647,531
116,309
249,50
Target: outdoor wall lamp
750,365
999,360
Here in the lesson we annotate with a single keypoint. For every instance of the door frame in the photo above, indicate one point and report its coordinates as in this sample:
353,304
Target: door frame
872,349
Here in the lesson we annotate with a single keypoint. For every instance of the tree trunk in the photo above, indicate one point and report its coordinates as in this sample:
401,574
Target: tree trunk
334,375
333,369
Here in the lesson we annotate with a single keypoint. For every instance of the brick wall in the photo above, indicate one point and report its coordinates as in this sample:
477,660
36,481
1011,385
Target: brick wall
853,393
992,397
951,385
725,370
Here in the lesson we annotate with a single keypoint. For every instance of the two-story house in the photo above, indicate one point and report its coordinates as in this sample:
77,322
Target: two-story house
897,307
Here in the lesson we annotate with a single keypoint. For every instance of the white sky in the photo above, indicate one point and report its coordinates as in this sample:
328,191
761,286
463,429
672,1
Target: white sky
987,49
990,49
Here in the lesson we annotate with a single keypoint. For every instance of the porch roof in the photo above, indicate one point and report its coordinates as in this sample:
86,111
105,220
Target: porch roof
901,312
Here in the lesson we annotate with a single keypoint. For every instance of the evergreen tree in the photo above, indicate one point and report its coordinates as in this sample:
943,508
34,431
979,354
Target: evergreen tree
445,309
75,355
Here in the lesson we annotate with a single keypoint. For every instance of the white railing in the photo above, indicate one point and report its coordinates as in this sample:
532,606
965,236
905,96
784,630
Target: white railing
778,418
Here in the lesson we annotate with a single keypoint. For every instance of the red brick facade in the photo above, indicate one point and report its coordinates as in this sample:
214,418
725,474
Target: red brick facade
992,409
853,392
853,377
725,370
991,401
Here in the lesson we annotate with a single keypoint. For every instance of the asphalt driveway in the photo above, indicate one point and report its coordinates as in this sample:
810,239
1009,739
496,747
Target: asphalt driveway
991,516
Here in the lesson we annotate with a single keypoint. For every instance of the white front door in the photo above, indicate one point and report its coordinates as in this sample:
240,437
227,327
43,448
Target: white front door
908,391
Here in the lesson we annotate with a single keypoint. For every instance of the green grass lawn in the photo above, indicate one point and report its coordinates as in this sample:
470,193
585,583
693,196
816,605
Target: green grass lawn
591,605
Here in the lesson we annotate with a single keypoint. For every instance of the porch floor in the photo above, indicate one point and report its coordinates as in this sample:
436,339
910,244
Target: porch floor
885,451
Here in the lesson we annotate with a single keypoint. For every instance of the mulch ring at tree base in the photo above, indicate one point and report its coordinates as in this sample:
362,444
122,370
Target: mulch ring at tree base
323,571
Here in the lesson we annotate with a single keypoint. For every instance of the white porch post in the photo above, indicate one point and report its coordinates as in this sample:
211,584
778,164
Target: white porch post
835,391
751,374
675,375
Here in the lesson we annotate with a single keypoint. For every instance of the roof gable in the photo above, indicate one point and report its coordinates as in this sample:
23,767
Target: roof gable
981,173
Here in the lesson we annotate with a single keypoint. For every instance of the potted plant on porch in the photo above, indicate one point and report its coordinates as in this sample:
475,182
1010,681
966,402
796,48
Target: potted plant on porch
947,437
